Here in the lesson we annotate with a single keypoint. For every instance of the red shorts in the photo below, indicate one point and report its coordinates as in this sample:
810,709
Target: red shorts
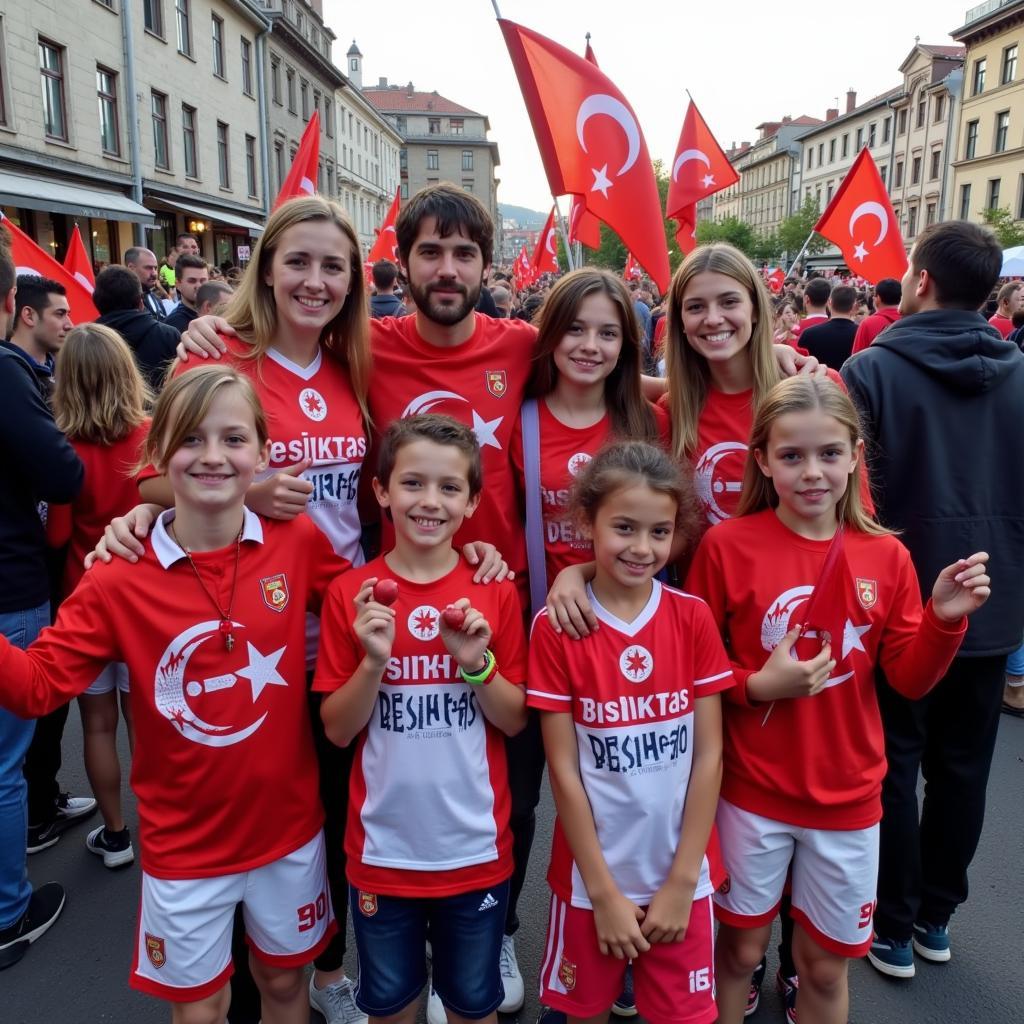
674,981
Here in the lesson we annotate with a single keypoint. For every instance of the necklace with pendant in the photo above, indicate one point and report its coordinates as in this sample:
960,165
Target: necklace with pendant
224,626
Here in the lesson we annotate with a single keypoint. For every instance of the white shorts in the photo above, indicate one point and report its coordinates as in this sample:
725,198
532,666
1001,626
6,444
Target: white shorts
183,950
834,877
113,677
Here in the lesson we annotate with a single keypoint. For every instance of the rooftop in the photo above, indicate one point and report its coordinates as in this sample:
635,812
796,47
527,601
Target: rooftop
404,99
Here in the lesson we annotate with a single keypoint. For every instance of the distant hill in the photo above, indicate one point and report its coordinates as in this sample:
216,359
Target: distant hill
531,219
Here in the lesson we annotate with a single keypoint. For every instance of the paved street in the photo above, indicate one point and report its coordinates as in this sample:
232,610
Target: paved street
77,974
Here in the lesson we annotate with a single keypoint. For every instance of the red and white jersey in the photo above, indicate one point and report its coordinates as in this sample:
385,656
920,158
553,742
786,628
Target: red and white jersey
110,489
630,688
480,383
224,770
564,451
429,802
815,762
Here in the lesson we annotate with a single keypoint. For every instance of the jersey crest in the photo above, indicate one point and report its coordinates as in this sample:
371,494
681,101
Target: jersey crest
312,403
156,950
867,592
424,622
274,590
567,973
497,382
636,663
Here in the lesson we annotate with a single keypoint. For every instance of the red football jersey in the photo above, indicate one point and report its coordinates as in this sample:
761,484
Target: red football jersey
815,762
224,769
1003,324
110,489
630,688
480,383
564,451
429,802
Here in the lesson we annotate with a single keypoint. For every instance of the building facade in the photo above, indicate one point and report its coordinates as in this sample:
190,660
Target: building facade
988,169
726,203
442,141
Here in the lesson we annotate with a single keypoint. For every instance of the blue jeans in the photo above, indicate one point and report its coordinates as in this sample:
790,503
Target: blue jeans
21,628
1015,663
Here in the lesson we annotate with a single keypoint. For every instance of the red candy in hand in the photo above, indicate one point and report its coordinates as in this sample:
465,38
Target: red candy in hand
385,592
453,617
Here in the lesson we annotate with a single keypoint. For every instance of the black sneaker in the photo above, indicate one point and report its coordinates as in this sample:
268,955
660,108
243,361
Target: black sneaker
44,907
69,811
114,847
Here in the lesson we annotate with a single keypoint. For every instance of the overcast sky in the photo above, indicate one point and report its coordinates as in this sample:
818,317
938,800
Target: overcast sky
744,61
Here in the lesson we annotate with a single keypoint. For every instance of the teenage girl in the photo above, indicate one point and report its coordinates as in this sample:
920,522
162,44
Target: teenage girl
804,751
632,730
210,624
100,402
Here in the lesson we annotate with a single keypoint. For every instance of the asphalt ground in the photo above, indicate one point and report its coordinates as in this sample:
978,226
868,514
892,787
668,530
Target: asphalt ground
78,972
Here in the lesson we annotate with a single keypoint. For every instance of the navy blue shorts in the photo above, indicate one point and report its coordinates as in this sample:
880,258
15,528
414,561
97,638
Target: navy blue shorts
465,934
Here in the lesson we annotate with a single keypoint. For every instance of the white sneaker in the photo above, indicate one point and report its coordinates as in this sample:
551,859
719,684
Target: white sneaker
336,1002
511,978
435,1008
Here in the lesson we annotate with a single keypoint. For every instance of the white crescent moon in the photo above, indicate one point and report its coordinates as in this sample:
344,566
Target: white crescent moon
424,403
169,694
689,154
704,474
547,242
600,103
875,210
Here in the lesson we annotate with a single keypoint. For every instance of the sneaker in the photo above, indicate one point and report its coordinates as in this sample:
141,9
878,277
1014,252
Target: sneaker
788,988
435,1008
756,980
932,942
44,907
894,957
114,847
337,1002
511,977
69,808
625,1005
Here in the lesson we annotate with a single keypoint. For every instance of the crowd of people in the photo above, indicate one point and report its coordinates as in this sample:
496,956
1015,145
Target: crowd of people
363,565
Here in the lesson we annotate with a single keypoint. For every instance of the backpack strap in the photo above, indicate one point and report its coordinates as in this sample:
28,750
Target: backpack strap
535,560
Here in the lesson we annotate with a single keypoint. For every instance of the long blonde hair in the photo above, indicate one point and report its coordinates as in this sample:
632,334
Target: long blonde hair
252,311
99,395
804,394
689,377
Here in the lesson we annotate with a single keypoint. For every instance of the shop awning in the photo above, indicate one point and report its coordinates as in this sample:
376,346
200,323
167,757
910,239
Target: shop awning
218,216
74,200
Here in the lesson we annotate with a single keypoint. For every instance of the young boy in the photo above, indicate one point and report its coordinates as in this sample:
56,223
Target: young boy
428,698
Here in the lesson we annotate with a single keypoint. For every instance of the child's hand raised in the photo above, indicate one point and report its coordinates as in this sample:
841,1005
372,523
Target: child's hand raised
374,624
962,588
782,676
467,641
617,921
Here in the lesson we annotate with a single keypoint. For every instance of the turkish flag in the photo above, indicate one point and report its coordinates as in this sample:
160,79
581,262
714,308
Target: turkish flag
545,253
633,269
302,177
584,227
686,234
29,258
699,169
521,270
591,143
77,262
776,278
385,247
824,614
861,222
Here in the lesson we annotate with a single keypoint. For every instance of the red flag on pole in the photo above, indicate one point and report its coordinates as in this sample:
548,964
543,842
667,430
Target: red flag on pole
302,177
700,168
591,143
775,279
521,273
77,262
29,258
860,220
633,269
584,227
385,247
545,253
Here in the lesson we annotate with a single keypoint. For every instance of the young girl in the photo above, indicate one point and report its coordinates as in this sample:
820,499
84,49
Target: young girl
100,402
803,550
210,624
632,731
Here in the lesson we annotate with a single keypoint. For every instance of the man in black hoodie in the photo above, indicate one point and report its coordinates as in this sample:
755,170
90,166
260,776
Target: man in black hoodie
118,297
384,301
941,397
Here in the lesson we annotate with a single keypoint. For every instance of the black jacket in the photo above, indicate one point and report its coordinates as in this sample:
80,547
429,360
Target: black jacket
830,342
37,464
180,317
386,305
941,396
152,342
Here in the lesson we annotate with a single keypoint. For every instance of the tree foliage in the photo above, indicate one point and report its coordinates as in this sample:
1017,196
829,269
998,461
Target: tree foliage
1008,232
793,231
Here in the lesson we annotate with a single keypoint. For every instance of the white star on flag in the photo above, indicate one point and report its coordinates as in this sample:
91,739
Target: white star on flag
262,670
601,181
860,252
851,638
708,179
484,430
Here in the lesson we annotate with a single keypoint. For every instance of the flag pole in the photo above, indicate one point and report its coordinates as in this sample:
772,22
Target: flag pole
800,253
565,236
497,13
